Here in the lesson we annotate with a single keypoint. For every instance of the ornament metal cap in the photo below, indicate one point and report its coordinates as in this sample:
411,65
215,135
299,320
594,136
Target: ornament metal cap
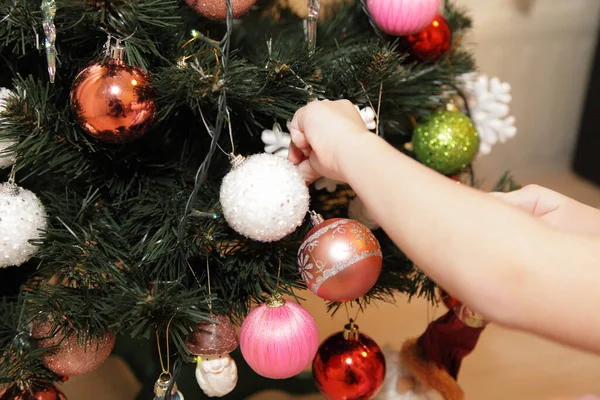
351,331
162,385
236,160
275,301
316,218
117,52
9,188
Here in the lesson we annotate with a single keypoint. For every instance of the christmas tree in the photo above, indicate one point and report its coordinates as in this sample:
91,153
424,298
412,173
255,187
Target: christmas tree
131,205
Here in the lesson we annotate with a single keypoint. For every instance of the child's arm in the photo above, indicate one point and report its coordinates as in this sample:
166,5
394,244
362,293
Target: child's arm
506,264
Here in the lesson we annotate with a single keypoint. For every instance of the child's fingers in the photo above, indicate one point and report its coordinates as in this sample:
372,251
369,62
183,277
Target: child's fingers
295,155
307,171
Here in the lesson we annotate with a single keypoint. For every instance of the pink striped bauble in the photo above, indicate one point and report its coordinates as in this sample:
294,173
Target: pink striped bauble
403,17
279,339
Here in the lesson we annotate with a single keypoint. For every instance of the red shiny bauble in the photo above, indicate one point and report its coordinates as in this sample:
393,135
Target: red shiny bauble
66,355
217,9
50,393
340,259
432,42
113,102
349,365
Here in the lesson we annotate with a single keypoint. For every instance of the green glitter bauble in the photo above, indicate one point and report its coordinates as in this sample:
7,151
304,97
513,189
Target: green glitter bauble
448,142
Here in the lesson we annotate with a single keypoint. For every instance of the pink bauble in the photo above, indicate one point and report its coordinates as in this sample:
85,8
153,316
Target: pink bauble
279,339
403,17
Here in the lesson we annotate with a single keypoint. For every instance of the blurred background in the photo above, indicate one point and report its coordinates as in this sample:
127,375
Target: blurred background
547,50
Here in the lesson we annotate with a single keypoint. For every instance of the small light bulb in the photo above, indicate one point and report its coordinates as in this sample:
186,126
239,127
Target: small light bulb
115,90
348,361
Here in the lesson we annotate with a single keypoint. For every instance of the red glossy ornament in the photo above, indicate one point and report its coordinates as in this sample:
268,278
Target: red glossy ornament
50,393
340,259
112,101
432,42
349,365
67,356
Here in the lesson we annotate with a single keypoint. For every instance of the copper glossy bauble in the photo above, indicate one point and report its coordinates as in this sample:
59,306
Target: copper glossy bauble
212,337
340,259
349,365
66,356
217,9
50,393
113,102
432,42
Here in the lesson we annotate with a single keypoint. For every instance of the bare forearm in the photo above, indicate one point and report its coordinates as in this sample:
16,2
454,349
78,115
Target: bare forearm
475,246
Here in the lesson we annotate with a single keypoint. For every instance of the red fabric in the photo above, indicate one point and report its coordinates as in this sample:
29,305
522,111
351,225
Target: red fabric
447,341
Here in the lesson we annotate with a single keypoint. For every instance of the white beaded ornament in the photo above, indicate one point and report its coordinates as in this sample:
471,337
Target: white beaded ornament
6,158
22,216
264,198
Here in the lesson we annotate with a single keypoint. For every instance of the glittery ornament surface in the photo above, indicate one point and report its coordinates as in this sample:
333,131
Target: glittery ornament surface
448,142
265,198
212,338
67,356
7,158
217,9
22,217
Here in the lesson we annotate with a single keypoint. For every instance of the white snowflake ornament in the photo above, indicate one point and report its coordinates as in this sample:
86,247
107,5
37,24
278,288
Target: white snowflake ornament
22,217
276,141
216,375
368,117
489,101
7,158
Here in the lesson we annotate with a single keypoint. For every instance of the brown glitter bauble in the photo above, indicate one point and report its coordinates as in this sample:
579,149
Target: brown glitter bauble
113,102
212,338
217,9
349,365
340,259
50,393
66,356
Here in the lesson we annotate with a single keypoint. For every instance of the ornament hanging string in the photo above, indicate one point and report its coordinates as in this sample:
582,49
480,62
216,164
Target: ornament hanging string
165,371
352,321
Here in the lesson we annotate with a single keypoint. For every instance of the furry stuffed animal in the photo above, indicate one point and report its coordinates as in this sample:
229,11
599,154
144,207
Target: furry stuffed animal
426,368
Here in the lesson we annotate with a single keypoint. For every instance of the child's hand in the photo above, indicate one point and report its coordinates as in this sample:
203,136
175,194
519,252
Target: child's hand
319,132
557,210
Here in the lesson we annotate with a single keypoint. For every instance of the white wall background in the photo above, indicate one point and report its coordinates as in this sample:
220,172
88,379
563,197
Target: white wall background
544,48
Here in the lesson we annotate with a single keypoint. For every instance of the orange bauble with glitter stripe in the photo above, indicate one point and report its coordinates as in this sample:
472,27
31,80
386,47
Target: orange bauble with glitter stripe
340,259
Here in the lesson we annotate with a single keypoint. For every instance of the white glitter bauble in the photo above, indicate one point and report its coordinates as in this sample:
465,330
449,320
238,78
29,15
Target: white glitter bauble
358,210
22,216
6,158
265,198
